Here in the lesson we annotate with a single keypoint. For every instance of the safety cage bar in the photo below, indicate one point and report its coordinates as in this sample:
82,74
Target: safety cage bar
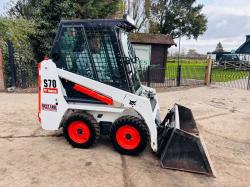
95,52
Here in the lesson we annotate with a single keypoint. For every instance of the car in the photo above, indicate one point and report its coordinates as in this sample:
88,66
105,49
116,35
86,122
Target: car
231,58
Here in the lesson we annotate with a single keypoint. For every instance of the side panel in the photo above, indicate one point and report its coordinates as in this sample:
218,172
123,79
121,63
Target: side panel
52,104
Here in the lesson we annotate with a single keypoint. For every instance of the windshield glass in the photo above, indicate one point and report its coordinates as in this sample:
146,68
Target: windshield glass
130,61
90,53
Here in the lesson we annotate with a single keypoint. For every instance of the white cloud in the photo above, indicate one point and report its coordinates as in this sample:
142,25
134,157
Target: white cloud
228,22
225,10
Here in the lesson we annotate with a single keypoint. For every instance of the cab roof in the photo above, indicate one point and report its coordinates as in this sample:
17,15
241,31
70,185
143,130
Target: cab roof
121,23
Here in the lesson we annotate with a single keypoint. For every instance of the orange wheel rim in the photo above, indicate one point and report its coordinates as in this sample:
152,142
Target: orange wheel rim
79,132
128,137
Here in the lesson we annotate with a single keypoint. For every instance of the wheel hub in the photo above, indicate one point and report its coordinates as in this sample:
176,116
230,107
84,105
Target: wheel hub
128,137
79,132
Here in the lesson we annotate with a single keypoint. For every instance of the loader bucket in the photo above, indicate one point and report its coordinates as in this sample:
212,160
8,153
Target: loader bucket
180,146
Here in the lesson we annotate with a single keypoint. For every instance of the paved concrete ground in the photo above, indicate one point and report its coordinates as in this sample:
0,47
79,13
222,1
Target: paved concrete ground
243,83
30,156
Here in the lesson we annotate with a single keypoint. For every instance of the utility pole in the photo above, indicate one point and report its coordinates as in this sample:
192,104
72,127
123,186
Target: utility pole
179,52
178,78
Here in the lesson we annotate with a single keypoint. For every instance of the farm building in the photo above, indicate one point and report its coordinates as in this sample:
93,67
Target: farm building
239,59
244,50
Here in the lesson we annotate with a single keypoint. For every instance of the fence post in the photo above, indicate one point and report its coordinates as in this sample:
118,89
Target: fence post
11,63
148,76
178,80
248,84
208,73
2,87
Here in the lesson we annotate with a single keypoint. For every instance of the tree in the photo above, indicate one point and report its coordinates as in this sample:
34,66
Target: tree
183,52
192,53
219,48
21,9
177,18
17,31
48,13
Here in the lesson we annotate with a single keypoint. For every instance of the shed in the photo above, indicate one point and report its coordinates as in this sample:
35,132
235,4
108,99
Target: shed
152,49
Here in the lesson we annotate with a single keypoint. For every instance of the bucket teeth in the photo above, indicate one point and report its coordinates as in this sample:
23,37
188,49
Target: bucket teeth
180,146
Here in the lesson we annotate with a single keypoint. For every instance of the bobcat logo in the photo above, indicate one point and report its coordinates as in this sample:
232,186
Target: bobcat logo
132,103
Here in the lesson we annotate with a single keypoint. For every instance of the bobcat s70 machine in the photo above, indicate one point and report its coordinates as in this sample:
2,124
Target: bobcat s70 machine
91,87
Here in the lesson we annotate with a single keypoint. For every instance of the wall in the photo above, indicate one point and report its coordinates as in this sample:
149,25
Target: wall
158,59
159,55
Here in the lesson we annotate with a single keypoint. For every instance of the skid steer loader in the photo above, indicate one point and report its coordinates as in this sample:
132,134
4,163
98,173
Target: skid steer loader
90,87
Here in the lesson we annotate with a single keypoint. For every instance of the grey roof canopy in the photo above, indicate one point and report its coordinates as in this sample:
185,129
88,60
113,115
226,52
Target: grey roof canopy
245,47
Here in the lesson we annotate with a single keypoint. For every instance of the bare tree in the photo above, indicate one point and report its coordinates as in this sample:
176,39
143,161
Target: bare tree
21,8
139,11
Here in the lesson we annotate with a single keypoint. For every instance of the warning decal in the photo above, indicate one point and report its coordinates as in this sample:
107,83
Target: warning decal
50,90
49,107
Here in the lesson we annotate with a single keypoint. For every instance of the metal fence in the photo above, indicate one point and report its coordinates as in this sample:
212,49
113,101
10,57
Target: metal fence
22,72
173,75
26,76
19,71
231,77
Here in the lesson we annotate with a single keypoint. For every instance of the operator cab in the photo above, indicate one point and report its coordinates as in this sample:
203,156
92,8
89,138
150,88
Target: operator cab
99,50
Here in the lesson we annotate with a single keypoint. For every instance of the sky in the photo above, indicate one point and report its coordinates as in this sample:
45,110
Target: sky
3,5
228,23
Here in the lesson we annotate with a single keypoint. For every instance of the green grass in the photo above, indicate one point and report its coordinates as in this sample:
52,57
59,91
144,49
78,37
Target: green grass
188,61
188,71
196,69
220,75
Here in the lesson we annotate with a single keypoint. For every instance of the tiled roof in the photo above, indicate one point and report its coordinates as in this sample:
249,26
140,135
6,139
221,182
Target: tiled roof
146,38
245,47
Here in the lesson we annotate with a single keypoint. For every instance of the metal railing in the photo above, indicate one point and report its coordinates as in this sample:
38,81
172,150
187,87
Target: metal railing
22,73
173,75
232,78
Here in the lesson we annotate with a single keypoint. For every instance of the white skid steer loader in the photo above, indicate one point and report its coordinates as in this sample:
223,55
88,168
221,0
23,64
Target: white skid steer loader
90,87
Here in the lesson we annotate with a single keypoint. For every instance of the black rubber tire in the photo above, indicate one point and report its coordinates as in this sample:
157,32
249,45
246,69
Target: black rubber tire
140,126
90,121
